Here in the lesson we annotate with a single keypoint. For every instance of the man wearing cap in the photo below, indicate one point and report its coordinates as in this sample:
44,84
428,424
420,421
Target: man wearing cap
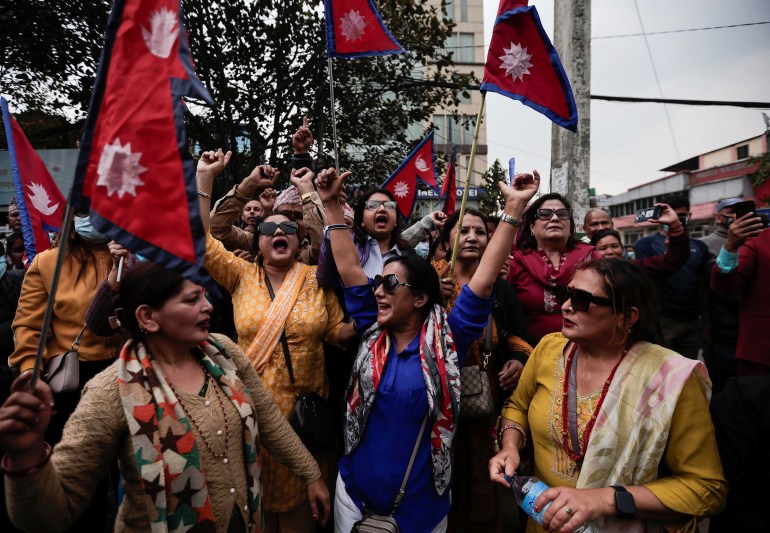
723,308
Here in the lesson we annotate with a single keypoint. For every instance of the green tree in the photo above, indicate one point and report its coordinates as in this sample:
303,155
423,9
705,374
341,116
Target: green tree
491,201
266,65
49,51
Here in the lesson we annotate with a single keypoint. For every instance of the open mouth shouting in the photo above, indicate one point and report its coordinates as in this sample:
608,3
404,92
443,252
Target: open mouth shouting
381,221
280,244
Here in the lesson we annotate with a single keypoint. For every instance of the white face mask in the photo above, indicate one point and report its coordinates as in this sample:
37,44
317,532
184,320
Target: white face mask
84,228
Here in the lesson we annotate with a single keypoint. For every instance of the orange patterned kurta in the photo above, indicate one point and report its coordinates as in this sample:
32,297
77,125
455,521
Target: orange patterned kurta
316,318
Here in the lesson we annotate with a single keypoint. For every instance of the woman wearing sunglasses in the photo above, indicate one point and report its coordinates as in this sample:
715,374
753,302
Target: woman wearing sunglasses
620,426
274,295
546,256
377,235
404,389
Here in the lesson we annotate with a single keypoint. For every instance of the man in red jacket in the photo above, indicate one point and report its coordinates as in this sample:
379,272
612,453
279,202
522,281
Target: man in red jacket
744,264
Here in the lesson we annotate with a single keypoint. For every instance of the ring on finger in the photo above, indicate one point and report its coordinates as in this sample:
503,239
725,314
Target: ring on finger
568,510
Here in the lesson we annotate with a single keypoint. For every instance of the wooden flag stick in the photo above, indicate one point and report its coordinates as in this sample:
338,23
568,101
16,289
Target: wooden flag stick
456,245
48,315
334,115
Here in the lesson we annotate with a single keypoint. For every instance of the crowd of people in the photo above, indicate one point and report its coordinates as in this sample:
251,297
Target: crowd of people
188,412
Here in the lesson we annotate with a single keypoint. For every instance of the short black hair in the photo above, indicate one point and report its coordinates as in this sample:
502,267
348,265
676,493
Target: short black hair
422,277
676,201
599,235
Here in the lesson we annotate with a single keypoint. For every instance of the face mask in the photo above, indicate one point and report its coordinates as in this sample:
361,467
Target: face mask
84,228
3,266
422,249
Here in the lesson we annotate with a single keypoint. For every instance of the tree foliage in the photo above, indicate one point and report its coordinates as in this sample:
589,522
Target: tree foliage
491,201
49,52
265,63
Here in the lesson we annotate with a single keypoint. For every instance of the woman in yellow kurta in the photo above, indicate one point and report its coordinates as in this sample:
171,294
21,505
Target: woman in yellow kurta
308,315
620,426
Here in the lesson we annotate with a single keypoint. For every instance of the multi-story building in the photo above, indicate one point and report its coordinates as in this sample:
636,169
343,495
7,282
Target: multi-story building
455,126
706,179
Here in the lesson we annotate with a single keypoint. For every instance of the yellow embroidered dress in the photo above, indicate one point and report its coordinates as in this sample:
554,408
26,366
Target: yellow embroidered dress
316,318
690,478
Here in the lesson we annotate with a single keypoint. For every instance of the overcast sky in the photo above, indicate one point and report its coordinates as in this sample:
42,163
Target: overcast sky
631,142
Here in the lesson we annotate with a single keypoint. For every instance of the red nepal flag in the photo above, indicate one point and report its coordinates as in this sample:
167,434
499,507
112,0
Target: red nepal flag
41,203
134,170
449,188
420,165
522,64
354,28
507,5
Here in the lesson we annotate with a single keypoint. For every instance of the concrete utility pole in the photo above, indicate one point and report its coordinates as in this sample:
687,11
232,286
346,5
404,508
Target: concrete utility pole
571,152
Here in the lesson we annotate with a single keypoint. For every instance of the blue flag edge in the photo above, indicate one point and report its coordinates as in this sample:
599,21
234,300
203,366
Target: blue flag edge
570,123
331,43
179,87
416,149
26,223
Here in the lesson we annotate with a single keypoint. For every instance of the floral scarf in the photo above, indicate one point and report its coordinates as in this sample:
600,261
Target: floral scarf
166,455
631,431
438,359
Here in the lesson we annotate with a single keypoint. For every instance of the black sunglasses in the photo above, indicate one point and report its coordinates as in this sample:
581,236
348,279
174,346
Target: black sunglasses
269,228
389,283
562,213
374,205
579,298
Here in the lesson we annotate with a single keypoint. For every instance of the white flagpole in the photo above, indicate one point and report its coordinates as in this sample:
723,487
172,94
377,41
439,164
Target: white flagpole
334,115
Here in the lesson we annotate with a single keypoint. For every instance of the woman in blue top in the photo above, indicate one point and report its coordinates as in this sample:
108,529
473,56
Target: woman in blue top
407,368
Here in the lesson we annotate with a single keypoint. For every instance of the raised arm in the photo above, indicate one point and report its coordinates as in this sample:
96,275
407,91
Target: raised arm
516,198
344,250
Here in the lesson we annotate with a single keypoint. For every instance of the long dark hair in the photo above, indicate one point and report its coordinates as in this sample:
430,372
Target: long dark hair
145,284
526,240
359,233
627,286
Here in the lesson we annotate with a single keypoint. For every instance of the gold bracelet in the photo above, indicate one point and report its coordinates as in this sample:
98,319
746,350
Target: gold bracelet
518,428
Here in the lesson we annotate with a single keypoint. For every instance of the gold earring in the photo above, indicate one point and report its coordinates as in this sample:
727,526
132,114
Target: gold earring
141,328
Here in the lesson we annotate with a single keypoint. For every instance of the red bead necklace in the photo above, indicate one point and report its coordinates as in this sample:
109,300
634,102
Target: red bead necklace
578,456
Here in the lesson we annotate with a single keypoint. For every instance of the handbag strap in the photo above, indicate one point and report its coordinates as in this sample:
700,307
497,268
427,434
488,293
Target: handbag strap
402,490
284,342
76,345
487,344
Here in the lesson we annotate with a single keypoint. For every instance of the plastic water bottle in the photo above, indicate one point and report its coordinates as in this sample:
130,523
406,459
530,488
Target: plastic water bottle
526,490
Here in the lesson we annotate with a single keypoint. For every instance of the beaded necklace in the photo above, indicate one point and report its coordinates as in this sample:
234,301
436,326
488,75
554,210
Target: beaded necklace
215,388
570,415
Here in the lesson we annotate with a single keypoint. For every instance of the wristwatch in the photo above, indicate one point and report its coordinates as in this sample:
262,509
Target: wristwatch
624,503
513,221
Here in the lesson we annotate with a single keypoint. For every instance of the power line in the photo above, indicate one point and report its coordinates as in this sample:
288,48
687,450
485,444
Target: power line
757,105
657,80
677,31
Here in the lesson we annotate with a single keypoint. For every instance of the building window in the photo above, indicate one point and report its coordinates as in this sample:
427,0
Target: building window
464,10
630,237
466,53
462,98
742,152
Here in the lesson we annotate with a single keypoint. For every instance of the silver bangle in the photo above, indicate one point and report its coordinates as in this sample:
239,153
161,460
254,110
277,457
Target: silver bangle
204,194
513,221
331,227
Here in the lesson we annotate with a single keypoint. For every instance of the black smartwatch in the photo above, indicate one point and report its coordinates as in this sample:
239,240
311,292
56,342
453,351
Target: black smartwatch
624,503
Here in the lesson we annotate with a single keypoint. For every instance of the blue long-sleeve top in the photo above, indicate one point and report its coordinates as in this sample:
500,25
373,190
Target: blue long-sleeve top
374,470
